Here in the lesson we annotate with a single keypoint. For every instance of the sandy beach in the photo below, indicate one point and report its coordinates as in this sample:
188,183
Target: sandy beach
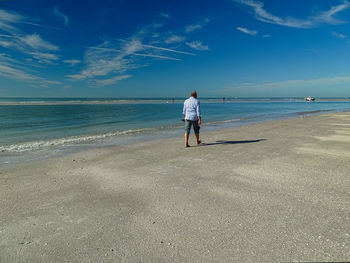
269,192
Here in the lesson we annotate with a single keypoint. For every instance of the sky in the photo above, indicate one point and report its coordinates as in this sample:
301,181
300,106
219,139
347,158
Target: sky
158,48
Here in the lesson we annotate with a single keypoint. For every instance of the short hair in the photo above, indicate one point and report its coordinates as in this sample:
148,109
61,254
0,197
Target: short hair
194,94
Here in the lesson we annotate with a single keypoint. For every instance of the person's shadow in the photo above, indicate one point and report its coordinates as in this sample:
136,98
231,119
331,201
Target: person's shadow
231,142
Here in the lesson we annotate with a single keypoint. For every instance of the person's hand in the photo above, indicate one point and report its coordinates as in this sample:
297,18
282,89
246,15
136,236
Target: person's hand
199,122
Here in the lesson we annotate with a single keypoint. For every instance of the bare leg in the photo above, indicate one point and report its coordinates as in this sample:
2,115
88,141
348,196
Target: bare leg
197,137
186,140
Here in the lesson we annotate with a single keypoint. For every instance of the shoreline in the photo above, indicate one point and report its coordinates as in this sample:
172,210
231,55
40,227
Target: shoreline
267,192
53,148
167,100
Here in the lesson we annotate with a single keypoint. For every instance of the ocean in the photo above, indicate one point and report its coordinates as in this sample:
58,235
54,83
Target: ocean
35,128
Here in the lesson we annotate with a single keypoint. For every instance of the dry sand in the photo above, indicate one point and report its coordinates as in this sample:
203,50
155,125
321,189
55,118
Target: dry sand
270,192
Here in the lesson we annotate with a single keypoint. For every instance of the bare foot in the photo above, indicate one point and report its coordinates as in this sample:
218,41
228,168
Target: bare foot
187,145
199,142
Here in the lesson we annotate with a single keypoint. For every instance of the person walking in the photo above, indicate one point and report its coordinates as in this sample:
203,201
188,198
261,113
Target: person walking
192,116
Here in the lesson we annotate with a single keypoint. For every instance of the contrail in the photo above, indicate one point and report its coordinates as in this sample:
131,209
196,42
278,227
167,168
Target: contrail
161,48
135,54
43,26
157,56
102,48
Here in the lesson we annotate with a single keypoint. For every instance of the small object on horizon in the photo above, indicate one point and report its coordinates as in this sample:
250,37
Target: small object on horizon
223,99
309,99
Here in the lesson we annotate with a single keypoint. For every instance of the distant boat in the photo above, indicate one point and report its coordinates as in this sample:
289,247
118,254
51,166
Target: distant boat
309,99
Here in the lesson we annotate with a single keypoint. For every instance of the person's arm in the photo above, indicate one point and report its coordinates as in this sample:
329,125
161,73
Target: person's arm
199,113
184,111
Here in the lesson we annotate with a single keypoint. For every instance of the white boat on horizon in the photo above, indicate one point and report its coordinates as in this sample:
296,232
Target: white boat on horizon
309,99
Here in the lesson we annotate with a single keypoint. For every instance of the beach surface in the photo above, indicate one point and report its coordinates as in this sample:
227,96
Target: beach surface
269,192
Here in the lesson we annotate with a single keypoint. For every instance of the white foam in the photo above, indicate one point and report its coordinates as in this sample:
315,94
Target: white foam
38,145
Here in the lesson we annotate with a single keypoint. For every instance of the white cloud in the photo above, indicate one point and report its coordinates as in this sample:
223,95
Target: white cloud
174,39
28,44
76,76
165,15
110,81
12,69
266,35
31,45
110,61
43,57
7,19
9,22
197,26
293,83
65,18
191,28
14,73
71,62
33,49
5,44
36,42
197,45
247,31
326,17
338,35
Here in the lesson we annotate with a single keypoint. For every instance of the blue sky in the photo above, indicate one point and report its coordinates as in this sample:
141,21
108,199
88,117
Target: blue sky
231,48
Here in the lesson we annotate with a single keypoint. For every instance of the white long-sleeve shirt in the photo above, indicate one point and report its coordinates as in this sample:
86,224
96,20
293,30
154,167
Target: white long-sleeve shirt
192,109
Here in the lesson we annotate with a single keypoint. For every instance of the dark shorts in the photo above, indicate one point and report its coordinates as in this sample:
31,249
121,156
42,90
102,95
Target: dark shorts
188,125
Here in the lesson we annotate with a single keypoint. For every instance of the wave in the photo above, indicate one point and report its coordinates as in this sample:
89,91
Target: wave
312,112
226,121
39,145
96,138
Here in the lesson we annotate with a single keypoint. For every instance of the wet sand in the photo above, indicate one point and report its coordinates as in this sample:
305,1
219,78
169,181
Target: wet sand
269,192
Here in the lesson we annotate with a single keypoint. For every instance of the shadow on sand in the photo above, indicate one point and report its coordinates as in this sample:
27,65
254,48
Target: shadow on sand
231,142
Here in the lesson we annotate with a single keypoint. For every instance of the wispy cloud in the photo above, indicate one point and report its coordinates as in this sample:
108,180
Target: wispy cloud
165,15
197,26
71,62
44,57
191,28
65,18
8,19
161,48
108,63
174,39
31,47
114,80
9,22
141,54
36,42
13,69
325,17
197,45
298,83
338,35
11,72
247,31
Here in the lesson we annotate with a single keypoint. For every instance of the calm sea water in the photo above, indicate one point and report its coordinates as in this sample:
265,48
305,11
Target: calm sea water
36,128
